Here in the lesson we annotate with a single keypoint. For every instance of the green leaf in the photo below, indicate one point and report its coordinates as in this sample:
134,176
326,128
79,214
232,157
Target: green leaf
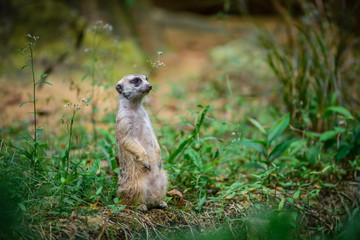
194,156
296,194
325,136
46,83
254,145
94,167
23,67
85,76
329,185
191,138
22,207
339,109
68,201
281,204
23,103
122,207
278,127
99,190
257,124
201,202
280,149
117,171
43,75
326,168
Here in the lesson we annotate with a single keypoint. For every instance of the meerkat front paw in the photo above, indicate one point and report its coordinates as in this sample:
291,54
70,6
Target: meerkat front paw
162,205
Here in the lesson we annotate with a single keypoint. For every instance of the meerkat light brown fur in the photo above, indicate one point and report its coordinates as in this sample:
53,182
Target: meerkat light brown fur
142,181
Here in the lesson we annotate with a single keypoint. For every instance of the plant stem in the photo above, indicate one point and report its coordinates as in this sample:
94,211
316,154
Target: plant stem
69,145
93,100
34,95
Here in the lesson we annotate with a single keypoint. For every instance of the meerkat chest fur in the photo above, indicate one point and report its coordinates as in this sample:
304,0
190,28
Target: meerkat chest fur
137,124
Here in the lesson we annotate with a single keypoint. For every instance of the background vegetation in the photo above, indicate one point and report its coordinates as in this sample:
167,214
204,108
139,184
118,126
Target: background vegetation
257,118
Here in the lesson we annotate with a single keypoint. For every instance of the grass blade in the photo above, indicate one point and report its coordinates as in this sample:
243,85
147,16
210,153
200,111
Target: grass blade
278,127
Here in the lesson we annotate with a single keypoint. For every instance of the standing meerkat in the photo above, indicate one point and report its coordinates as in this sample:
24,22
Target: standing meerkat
141,180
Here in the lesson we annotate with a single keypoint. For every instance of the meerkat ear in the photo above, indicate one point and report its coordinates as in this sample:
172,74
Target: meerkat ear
119,88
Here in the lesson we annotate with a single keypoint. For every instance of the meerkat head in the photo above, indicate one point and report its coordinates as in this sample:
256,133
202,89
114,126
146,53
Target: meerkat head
133,86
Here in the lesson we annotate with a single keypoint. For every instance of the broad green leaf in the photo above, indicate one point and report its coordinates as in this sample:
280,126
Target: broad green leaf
339,109
281,204
193,156
296,194
257,124
330,134
278,127
280,149
258,147
22,207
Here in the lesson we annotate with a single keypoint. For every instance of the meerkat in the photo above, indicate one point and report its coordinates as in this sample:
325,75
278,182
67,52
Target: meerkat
142,181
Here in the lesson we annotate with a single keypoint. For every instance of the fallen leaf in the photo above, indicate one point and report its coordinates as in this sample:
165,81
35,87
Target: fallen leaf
176,192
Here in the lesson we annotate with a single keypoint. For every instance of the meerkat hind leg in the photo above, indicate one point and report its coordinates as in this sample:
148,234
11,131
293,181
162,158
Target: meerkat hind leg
156,190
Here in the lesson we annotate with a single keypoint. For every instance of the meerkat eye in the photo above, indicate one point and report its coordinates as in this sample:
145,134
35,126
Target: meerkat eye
135,81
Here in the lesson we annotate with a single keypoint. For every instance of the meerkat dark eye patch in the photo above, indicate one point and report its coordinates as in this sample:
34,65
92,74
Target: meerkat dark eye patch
119,88
136,81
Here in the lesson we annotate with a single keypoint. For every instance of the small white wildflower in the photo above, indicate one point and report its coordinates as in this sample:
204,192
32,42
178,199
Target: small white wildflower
342,122
86,50
159,53
84,100
108,27
233,133
65,106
